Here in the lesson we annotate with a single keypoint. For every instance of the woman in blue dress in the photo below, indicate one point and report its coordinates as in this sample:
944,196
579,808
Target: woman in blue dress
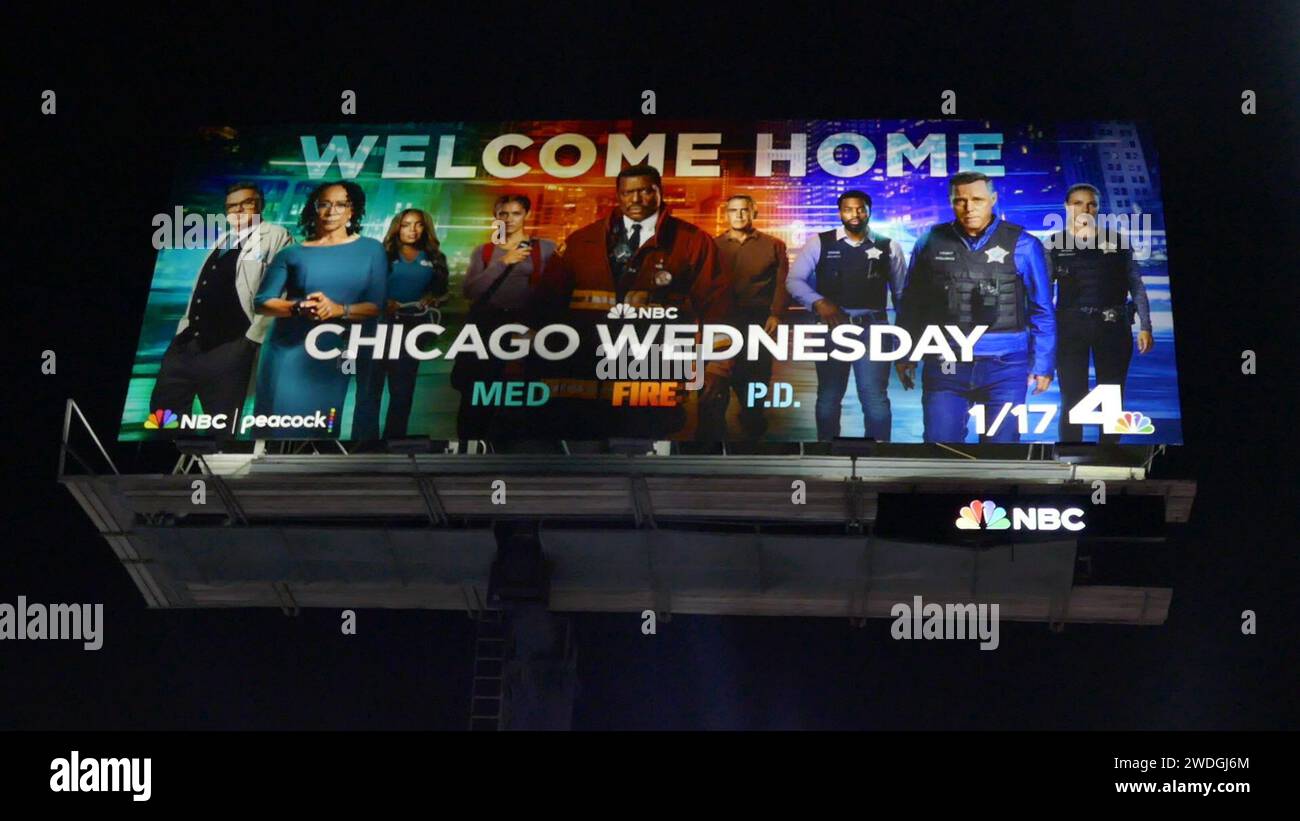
336,276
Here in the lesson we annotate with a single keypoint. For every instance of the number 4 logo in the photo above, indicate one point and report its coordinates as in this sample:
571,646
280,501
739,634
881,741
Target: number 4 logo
1103,406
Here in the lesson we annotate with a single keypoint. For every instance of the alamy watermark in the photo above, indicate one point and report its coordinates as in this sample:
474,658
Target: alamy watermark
53,622
77,774
1126,232
946,621
197,231
678,363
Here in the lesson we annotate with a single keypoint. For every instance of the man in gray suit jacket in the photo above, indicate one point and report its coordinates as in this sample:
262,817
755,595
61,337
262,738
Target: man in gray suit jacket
217,340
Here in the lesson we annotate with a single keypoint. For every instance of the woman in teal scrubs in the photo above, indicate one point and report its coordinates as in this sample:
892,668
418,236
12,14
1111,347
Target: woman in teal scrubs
336,276
417,273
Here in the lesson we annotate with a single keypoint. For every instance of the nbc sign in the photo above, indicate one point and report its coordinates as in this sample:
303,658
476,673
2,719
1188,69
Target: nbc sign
994,517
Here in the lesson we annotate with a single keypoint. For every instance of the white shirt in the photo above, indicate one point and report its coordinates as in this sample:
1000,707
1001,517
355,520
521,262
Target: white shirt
647,227
225,240
841,234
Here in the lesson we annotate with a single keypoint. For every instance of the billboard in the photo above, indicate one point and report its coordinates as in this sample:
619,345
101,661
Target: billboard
908,281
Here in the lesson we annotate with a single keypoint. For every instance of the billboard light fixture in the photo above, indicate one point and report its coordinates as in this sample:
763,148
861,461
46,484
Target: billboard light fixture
197,445
410,445
853,446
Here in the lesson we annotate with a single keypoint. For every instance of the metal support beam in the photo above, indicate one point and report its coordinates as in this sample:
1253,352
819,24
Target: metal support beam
643,513
65,448
288,605
432,501
227,495
659,587
854,494
860,592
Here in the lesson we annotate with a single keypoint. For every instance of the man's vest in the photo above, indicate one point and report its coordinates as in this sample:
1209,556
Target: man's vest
1090,277
976,287
849,277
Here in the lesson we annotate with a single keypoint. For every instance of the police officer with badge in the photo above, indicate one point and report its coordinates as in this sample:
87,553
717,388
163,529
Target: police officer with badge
845,275
980,270
1094,280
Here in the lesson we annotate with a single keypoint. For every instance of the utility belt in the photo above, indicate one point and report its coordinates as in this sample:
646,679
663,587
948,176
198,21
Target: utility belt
1109,313
871,317
587,299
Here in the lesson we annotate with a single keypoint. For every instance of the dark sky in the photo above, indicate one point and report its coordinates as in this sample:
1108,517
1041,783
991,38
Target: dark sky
78,252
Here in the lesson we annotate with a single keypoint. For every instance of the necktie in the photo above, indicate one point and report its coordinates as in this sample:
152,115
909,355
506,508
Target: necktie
624,249
628,245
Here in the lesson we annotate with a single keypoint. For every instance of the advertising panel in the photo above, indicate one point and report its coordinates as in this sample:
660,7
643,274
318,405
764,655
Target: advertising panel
908,281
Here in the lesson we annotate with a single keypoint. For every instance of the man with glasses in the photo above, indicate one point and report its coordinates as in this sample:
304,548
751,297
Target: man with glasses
217,339
845,275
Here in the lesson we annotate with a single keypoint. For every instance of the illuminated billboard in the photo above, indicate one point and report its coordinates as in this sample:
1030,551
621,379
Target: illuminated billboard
908,281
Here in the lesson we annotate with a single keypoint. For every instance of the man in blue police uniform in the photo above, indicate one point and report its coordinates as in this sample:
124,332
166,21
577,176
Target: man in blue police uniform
980,270
844,275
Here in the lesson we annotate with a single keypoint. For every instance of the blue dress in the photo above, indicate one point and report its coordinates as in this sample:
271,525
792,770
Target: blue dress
289,381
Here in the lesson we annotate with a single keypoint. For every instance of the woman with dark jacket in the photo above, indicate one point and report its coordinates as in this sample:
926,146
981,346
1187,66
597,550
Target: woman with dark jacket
500,284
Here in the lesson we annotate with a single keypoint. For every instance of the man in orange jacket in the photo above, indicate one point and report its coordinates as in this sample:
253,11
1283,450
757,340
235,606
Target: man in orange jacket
638,256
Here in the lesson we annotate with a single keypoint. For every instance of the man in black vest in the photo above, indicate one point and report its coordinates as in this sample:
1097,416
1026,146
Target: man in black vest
1093,316
980,270
217,340
844,275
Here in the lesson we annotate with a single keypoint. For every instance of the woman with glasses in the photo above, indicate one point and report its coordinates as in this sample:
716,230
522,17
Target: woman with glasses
335,276
417,279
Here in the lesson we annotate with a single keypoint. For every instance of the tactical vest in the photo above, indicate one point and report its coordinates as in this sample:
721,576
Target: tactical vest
1090,277
972,288
849,277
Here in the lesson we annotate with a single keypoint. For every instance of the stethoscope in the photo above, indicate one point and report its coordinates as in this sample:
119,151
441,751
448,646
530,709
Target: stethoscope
418,310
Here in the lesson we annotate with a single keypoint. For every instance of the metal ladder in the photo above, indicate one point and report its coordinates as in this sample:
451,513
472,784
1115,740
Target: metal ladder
486,690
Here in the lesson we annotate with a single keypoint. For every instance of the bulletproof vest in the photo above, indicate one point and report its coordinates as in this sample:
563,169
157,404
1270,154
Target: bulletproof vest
1090,277
849,277
970,287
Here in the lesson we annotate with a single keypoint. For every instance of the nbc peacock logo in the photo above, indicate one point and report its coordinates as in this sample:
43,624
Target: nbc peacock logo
1134,422
622,310
162,419
987,511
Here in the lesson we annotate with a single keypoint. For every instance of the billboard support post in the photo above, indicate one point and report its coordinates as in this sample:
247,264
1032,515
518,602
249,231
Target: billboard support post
65,448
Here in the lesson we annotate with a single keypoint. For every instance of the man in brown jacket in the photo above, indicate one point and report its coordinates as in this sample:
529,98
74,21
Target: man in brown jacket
638,256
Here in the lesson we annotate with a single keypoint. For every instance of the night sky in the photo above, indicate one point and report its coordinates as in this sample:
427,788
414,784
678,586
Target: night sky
79,254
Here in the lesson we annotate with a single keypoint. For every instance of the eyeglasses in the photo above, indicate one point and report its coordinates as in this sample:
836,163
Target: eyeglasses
249,205
325,207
